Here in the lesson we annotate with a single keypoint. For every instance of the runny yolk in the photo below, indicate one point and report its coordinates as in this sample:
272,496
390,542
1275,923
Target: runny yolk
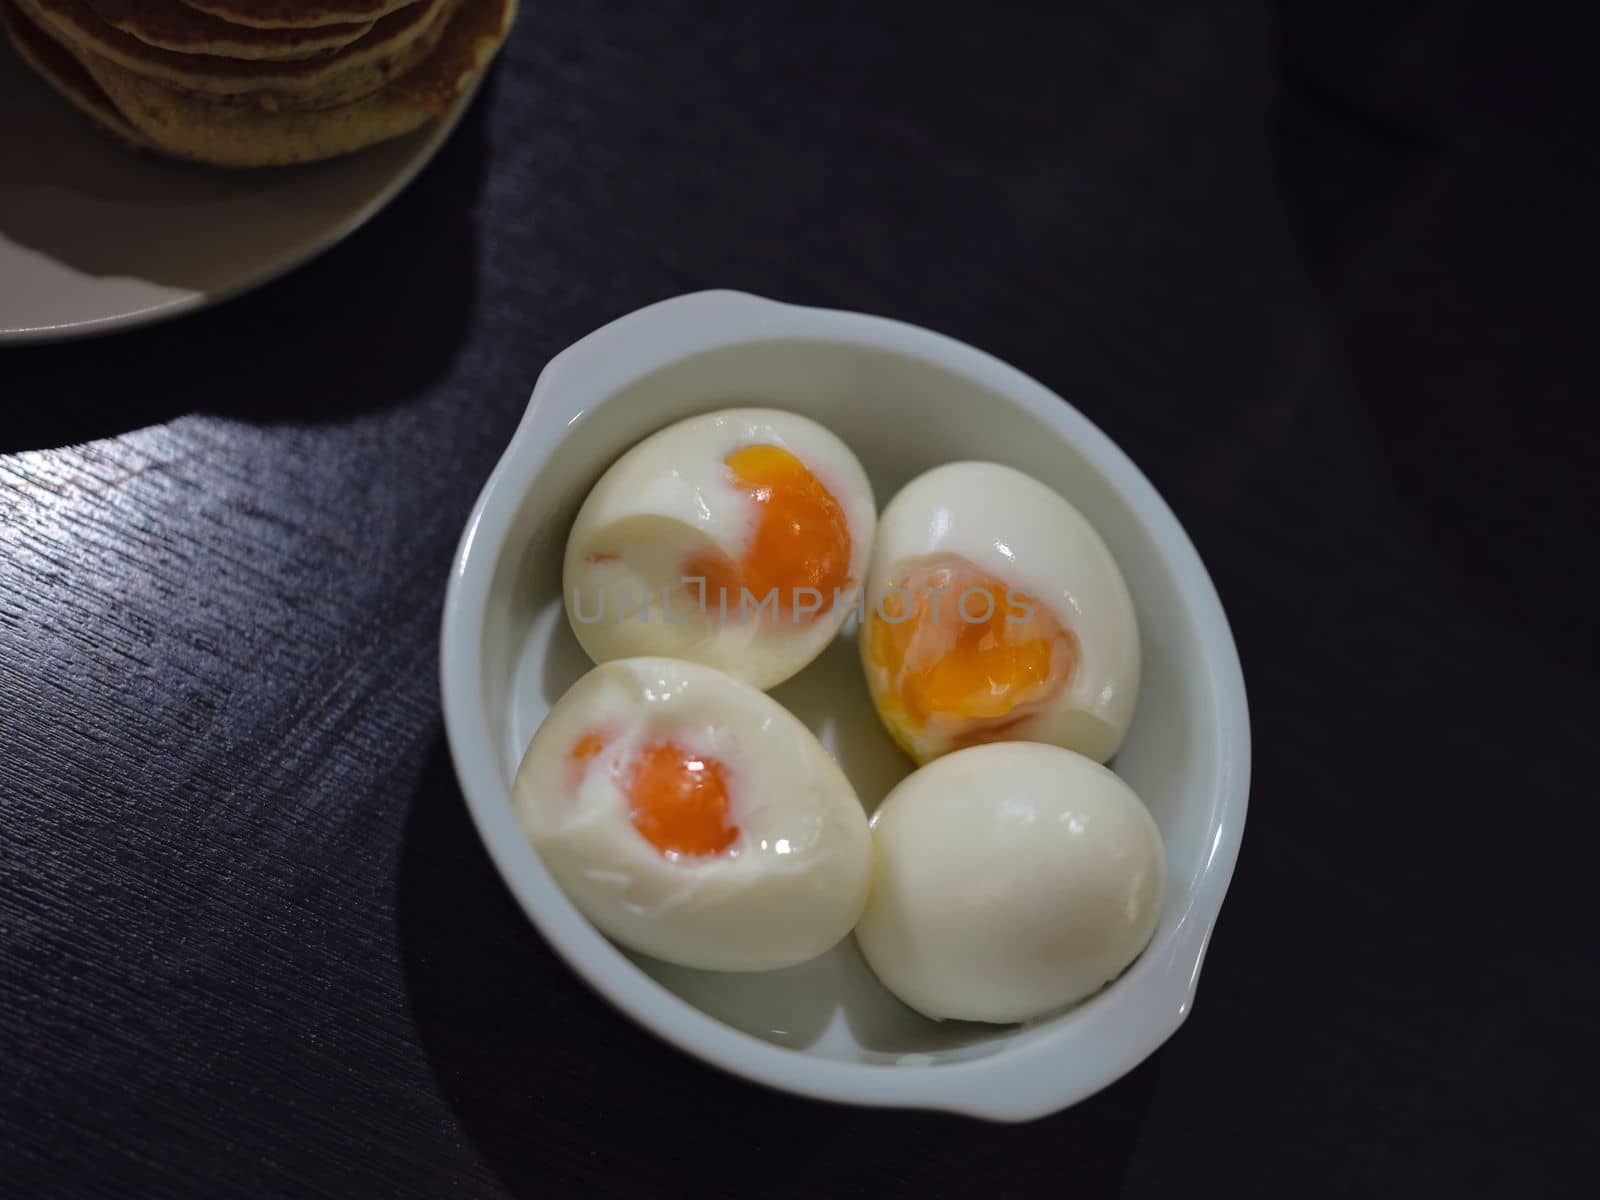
677,799
968,653
801,539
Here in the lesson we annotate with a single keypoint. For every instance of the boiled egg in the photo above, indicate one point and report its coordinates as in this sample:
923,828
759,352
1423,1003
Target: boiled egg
738,539
693,818
993,611
1012,880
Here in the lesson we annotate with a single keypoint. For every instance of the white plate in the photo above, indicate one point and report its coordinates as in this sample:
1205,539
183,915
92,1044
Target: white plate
904,399
95,238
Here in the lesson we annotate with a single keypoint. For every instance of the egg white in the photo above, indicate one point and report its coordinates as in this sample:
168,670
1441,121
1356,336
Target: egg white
1012,880
790,886
1015,529
669,499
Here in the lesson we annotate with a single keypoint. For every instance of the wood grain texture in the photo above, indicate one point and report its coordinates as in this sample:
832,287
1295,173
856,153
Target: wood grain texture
249,944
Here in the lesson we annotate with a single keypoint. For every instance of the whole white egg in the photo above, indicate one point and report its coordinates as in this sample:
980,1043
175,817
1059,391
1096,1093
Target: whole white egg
1011,880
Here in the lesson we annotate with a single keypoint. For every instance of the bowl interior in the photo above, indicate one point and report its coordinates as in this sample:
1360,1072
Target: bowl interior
901,415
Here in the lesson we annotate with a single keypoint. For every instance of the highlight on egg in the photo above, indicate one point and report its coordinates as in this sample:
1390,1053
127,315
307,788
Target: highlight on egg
693,818
994,611
1012,880
738,539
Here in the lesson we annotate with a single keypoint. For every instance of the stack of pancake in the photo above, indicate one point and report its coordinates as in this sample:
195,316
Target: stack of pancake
248,83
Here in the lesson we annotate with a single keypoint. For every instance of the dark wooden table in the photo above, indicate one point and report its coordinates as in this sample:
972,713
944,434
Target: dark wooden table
1326,277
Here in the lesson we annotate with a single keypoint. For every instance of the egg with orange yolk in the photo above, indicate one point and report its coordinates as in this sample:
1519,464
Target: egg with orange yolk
994,612
692,818
738,539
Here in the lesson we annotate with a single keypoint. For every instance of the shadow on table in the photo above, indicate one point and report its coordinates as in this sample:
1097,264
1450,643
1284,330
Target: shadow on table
538,1069
369,324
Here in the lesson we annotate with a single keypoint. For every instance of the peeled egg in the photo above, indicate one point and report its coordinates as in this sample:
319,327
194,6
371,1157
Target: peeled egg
738,539
993,611
1011,880
693,818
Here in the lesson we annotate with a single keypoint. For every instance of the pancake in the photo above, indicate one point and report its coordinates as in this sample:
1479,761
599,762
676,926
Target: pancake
183,30
64,73
396,43
240,136
296,14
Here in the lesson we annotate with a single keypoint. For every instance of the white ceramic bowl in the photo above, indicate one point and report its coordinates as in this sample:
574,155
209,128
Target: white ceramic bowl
904,399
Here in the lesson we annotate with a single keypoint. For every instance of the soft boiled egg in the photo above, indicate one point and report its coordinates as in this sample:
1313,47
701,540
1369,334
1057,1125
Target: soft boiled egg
738,539
693,818
993,612
1012,880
